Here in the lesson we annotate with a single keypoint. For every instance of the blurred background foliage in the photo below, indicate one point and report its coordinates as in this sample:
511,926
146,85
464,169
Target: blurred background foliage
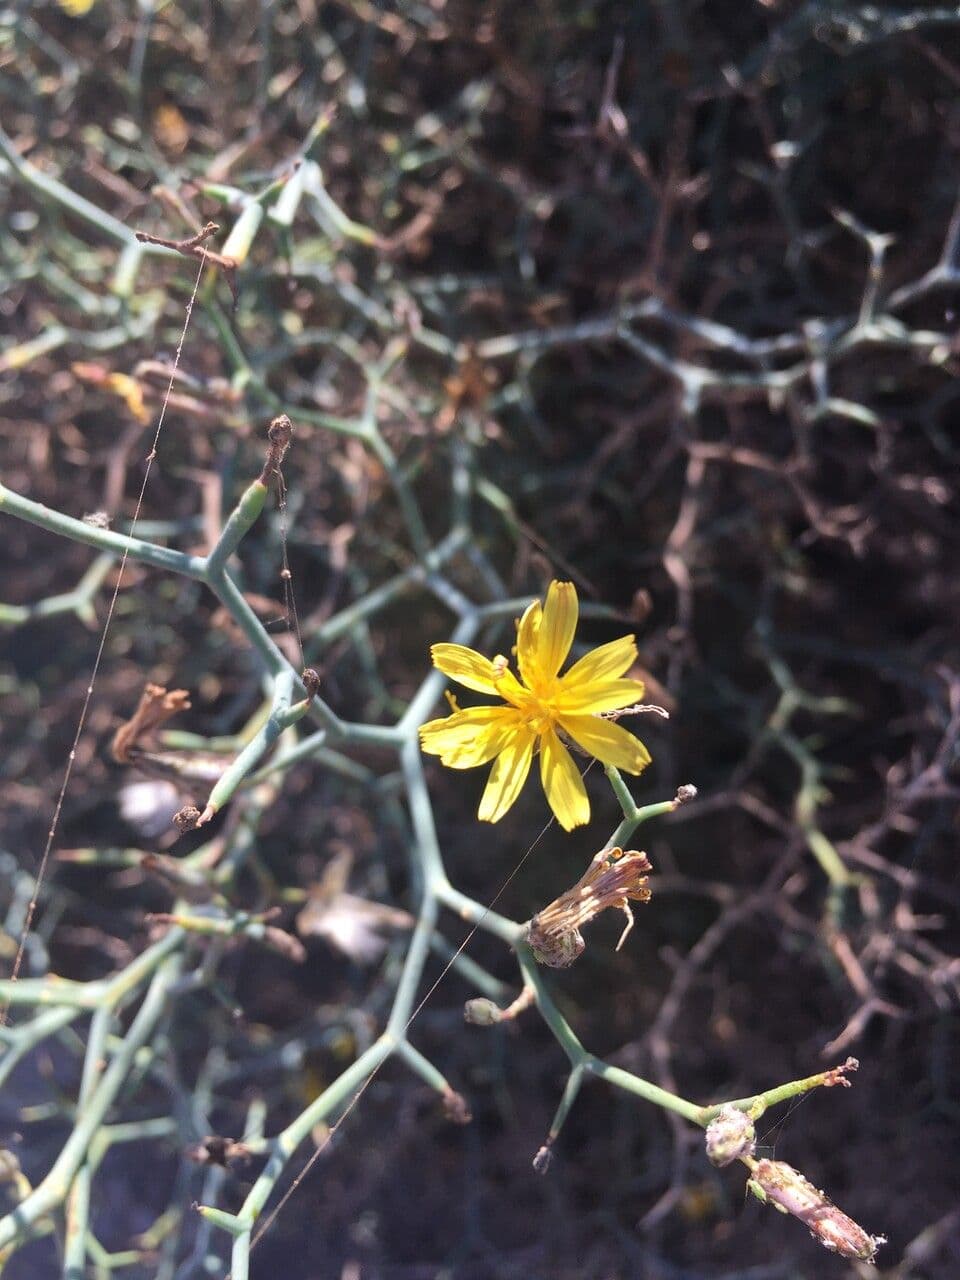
683,278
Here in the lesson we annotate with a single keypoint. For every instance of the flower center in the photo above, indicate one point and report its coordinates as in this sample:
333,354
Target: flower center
536,710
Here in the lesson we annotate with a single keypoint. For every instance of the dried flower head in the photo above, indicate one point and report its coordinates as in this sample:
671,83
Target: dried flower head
790,1192
214,1149
730,1135
157,705
613,879
187,818
136,743
279,434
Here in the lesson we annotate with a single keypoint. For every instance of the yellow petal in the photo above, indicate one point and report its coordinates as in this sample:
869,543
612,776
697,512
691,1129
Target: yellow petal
562,783
511,690
597,695
557,626
469,737
507,776
466,666
527,630
608,742
605,663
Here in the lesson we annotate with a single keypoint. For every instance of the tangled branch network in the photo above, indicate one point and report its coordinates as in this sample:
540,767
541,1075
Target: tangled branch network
183,959
121,1025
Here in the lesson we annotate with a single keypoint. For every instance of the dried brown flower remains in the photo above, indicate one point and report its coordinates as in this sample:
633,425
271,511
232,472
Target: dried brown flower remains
613,879
157,705
279,433
214,1149
135,743
790,1192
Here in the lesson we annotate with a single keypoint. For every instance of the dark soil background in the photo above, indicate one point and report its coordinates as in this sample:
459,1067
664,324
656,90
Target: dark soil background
730,235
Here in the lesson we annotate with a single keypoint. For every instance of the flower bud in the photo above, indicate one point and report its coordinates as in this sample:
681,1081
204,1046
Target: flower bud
482,1013
730,1134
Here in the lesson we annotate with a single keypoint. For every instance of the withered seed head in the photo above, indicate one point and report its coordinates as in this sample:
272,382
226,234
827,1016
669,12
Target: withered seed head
790,1192
613,879
279,433
838,1075
187,818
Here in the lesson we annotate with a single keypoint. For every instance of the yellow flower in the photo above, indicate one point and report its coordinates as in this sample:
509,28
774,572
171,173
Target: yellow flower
540,706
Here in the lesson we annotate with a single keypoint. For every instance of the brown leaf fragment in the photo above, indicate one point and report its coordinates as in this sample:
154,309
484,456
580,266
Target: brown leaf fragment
157,705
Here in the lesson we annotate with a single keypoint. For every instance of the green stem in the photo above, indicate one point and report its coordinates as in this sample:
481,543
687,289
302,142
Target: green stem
468,969
571,1089
408,504
52,1191
423,1067
90,995
102,539
232,598
77,1225
622,792
283,1146
758,1103
20,1040
644,1089
78,1199
832,865
47,187
241,520
281,715
400,1014
483,917
551,1015
421,816
244,232
623,834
